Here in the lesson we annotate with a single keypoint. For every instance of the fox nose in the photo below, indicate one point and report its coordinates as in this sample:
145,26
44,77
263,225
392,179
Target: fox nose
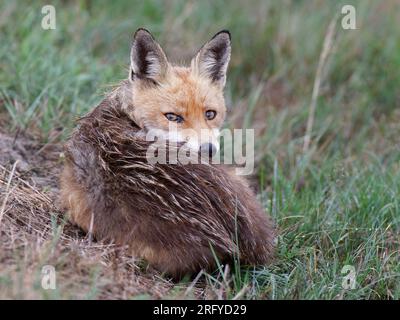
208,149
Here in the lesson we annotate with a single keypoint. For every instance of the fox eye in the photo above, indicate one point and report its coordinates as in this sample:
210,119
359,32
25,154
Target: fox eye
210,114
174,117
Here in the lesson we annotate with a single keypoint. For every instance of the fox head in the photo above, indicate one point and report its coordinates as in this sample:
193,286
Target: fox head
181,104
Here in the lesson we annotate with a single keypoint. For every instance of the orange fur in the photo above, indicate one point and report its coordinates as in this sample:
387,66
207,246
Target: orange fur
181,92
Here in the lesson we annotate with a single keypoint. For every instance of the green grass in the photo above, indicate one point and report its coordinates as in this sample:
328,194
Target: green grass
335,205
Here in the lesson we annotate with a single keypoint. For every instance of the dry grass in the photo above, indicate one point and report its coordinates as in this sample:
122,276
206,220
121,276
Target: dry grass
33,233
328,43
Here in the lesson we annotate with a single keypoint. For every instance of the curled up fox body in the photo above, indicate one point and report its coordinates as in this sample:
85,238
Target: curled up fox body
180,218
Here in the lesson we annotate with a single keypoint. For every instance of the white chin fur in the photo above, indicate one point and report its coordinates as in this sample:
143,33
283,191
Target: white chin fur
176,136
193,144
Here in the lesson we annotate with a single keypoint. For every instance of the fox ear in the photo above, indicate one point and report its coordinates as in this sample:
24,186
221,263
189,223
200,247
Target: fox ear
213,58
148,60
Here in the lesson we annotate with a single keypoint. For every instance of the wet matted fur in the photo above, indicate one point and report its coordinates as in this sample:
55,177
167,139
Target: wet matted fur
170,215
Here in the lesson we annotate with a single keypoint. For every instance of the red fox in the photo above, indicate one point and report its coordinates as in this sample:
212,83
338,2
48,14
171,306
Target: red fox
179,218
